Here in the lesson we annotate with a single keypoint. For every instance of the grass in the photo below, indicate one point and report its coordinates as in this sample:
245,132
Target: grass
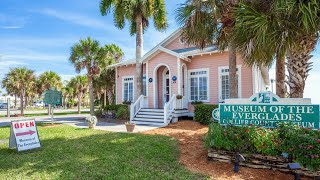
72,153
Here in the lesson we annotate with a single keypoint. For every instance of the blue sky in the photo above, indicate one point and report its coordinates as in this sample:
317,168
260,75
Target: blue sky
38,35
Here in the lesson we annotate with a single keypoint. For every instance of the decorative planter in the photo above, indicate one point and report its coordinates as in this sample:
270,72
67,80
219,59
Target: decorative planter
92,125
130,127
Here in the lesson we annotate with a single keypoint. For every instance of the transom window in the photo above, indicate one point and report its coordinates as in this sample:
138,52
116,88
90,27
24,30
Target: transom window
199,85
224,83
127,89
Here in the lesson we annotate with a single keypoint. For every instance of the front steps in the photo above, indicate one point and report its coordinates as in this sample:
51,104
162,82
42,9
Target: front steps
156,116
149,117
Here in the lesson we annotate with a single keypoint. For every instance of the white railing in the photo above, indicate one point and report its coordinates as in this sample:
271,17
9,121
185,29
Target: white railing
135,107
182,103
169,108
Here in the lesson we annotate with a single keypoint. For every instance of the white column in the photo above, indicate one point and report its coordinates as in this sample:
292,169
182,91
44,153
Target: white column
179,75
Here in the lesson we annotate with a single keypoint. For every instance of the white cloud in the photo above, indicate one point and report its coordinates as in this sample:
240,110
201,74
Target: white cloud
11,27
77,19
35,57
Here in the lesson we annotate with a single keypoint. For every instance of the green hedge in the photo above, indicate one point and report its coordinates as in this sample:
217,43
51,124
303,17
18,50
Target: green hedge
203,113
303,144
121,111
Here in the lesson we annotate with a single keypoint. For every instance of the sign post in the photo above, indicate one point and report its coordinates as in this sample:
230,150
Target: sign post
52,97
24,135
267,110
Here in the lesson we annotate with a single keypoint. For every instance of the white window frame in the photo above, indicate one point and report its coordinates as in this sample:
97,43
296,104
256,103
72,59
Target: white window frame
227,73
124,77
208,82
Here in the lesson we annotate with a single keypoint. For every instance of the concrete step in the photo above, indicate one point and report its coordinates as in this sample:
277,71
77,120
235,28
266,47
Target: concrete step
160,124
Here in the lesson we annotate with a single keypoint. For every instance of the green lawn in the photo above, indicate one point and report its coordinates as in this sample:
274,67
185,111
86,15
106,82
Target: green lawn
72,153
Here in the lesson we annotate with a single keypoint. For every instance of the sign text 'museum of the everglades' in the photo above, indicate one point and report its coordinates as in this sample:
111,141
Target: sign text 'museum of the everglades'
306,116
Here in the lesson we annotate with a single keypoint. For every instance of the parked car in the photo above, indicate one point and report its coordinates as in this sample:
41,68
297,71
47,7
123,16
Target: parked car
38,104
5,105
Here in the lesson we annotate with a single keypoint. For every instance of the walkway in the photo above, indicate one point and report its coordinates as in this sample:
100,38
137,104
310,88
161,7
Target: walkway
79,122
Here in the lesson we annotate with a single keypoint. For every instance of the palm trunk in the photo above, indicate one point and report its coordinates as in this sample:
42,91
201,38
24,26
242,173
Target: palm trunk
79,103
91,95
280,76
15,100
139,49
25,102
299,66
104,98
110,96
233,71
21,103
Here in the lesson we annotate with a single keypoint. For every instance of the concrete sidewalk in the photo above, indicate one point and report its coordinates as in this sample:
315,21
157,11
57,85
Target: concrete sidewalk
79,122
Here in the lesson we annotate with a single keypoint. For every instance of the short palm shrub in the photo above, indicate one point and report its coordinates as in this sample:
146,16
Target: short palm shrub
123,113
303,144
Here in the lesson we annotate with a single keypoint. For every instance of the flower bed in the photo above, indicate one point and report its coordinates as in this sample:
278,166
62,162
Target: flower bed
302,144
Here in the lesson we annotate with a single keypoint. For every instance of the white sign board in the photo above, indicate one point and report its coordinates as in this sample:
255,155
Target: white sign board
24,135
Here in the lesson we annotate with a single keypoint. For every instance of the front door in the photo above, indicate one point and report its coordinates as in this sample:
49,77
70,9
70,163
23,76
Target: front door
166,87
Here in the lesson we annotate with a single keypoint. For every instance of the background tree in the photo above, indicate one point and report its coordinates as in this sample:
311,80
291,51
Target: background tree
80,86
274,29
206,22
137,13
23,80
105,82
9,84
87,54
47,80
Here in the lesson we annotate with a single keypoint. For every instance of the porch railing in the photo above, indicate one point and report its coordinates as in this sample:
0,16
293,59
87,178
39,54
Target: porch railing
135,107
182,103
169,108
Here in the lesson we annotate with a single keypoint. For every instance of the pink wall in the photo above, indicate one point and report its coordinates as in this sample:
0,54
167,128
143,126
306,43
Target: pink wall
121,72
161,59
175,44
213,62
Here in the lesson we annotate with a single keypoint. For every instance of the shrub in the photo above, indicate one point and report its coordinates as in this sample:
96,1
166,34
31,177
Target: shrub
303,144
203,113
123,113
98,113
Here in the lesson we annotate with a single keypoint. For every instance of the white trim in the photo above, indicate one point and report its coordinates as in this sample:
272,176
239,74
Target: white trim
116,89
239,81
164,78
179,75
208,83
147,78
155,83
123,77
185,75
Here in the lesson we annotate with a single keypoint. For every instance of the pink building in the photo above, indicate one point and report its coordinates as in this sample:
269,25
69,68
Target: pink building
172,68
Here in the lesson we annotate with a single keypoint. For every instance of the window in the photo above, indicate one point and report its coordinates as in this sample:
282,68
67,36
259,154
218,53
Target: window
199,85
224,83
127,89
144,88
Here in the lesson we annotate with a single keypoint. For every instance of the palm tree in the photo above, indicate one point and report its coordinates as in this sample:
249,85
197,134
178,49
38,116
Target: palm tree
280,28
87,54
47,80
106,80
9,84
79,84
23,80
206,22
137,13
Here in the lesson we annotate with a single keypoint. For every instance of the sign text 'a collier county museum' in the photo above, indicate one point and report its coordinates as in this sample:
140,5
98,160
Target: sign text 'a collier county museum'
266,109
24,135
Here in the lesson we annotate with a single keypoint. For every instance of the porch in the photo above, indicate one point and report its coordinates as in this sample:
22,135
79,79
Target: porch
177,106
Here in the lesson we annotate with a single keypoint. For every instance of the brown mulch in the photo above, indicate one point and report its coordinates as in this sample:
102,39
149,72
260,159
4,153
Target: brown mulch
190,135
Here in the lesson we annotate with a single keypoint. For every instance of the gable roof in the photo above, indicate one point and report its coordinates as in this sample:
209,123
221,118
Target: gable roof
179,53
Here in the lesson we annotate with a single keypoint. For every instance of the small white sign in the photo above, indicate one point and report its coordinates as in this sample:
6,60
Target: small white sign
24,135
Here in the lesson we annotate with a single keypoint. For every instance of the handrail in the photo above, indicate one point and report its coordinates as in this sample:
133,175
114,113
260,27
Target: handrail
169,108
135,107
